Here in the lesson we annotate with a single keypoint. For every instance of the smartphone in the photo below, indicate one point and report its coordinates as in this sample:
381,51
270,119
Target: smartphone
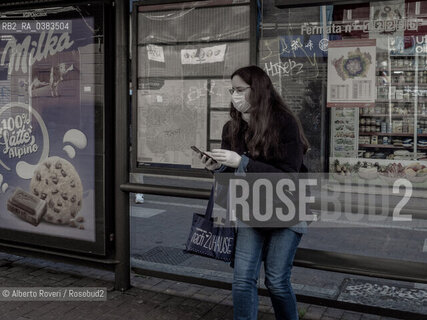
203,153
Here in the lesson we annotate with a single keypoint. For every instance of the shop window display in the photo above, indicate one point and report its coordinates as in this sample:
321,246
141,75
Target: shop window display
386,140
366,65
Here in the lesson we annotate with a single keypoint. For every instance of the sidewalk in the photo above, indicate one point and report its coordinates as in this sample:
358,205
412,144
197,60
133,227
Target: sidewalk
150,298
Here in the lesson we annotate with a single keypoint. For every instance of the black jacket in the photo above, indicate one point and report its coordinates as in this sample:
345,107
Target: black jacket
292,161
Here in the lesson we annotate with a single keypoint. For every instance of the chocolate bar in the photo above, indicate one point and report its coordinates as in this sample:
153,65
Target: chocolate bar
27,206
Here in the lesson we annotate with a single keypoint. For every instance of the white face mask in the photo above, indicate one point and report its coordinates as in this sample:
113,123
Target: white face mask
239,102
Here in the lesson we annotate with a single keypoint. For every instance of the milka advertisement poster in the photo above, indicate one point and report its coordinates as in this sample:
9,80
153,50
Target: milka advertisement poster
47,133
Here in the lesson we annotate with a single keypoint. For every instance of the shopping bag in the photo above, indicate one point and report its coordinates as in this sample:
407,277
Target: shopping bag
210,239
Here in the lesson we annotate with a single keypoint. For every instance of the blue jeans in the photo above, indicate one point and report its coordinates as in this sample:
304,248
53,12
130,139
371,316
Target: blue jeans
277,248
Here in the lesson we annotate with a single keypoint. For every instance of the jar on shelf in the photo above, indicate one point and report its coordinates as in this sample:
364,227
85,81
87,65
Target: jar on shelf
363,128
383,127
393,62
367,121
362,121
405,128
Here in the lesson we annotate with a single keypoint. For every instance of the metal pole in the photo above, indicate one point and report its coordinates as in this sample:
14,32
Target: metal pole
121,216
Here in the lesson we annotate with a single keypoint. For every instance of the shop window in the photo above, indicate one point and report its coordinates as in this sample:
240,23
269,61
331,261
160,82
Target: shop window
380,124
356,75
296,63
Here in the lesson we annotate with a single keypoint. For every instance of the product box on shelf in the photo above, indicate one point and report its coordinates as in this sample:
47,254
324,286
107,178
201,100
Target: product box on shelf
374,140
364,139
397,126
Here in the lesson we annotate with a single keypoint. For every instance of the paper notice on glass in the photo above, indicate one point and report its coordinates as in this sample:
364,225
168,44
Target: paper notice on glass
344,132
155,53
218,120
172,117
351,73
203,55
388,21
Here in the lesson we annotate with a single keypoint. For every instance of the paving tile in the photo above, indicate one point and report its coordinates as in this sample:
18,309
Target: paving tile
210,298
263,300
314,312
347,315
370,317
333,313
266,316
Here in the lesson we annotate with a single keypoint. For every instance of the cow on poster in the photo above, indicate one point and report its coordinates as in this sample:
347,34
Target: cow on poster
351,73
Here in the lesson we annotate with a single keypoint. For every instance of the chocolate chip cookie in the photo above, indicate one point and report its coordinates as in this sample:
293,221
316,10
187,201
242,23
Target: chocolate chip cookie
57,182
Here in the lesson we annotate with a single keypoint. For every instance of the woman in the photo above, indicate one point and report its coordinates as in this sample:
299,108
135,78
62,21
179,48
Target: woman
262,136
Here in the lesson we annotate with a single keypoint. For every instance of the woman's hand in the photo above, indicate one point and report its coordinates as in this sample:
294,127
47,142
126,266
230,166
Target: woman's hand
226,157
208,162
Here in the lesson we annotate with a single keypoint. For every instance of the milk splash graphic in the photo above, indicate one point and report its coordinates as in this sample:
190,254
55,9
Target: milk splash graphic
3,186
75,137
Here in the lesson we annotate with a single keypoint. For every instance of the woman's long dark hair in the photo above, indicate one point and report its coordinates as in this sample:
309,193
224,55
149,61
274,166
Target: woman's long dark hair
268,112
